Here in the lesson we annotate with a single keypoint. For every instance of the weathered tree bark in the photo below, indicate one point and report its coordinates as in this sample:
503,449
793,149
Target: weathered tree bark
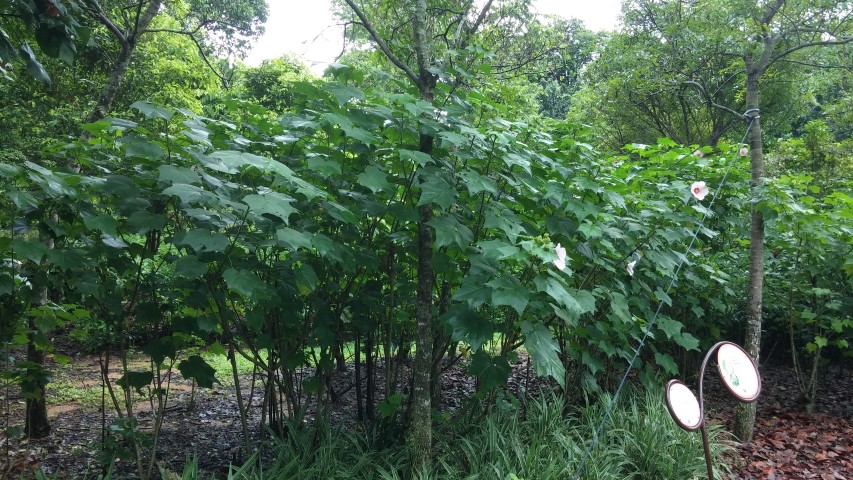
745,415
420,434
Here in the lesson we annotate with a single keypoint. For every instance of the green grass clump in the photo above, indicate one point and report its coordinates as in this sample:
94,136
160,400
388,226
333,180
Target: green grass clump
540,442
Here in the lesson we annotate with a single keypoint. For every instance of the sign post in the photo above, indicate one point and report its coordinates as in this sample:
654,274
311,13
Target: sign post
740,377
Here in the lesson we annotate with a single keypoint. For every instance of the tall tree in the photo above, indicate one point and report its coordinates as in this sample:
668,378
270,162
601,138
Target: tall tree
214,27
781,29
759,38
424,21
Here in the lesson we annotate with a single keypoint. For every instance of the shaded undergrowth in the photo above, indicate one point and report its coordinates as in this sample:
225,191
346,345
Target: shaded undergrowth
546,441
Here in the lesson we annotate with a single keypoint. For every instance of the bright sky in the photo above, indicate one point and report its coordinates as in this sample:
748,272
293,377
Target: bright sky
307,29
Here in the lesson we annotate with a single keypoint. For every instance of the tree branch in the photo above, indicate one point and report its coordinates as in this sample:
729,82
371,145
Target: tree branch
710,102
96,11
215,71
817,65
823,43
381,43
480,18
201,25
771,12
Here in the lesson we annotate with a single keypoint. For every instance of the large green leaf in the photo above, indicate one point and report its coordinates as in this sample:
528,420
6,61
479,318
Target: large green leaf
507,290
32,249
501,218
374,179
203,239
491,371
473,291
33,66
469,326
340,212
542,347
173,174
576,302
669,326
477,183
140,147
196,368
666,361
324,166
136,380
436,189
306,279
121,186
361,135
246,282
619,308
160,349
142,221
343,93
420,158
271,203
189,193
151,111
189,267
449,231
22,200
293,238
104,222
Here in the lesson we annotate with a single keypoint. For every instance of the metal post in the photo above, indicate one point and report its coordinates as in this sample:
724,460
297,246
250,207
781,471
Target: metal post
707,449
704,428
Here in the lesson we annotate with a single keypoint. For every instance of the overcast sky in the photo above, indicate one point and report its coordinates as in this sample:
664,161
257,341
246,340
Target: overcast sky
307,29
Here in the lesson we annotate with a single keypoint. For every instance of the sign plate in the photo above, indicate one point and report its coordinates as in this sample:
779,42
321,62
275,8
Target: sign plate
683,405
738,372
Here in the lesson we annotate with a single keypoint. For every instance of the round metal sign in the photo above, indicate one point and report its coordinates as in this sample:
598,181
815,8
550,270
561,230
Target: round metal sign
683,405
738,372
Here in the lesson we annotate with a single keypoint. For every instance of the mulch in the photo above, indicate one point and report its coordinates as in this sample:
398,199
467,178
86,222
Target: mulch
789,443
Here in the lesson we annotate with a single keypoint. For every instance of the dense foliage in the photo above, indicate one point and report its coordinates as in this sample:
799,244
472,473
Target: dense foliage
280,221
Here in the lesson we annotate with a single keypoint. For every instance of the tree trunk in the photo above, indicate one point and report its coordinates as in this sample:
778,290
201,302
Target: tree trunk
370,371
420,435
36,424
358,392
745,414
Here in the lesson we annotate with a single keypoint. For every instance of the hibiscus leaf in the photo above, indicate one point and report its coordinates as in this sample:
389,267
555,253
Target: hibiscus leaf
374,179
469,326
448,231
437,190
509,291
491,371
195,367
542,347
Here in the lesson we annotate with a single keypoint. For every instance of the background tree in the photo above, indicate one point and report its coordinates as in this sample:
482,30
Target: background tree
271,83
761,37
221,26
